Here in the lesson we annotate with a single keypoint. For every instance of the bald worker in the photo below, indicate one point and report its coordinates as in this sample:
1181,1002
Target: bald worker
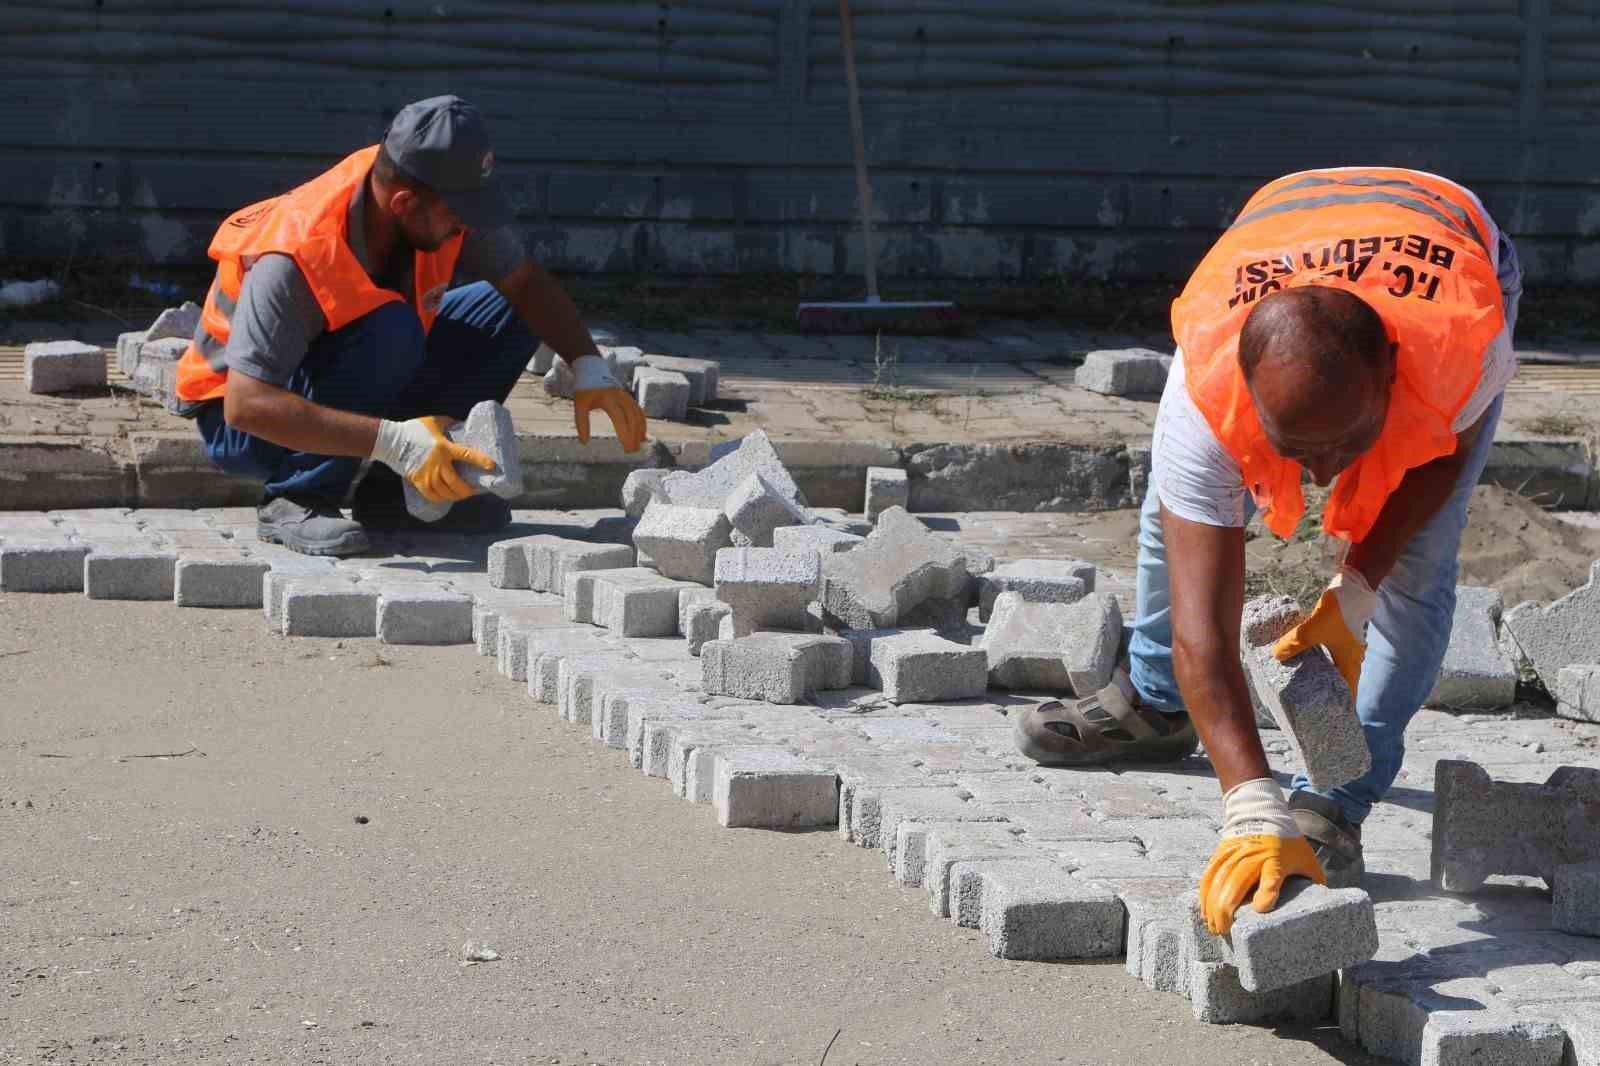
1353,326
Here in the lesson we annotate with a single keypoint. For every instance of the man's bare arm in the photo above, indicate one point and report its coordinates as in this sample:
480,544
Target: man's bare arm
1205,571
542,303
290,420
1420,495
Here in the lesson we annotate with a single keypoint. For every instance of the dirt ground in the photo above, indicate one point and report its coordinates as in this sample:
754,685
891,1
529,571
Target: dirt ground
223,846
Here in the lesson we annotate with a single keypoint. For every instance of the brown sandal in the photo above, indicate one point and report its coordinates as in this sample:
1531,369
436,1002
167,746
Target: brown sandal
1102,728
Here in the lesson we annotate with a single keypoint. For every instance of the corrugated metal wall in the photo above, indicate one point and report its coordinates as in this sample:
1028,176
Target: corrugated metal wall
1010,138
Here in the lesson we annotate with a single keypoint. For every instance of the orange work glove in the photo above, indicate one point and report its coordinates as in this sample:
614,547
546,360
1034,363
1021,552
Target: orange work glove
1338,623
1260,849
419,451
595,387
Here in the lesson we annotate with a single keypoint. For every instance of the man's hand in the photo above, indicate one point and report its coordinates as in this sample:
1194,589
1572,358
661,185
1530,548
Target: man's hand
1338,623
596,387
419,451
1260,849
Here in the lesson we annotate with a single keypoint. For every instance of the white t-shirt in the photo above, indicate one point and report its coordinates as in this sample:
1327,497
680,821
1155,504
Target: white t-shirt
1198,480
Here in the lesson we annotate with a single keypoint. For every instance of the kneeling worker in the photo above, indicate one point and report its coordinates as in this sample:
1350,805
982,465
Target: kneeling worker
331,334
1353,324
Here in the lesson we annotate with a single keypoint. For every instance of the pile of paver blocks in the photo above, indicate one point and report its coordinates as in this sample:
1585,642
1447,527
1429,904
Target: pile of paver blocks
149,357
666,386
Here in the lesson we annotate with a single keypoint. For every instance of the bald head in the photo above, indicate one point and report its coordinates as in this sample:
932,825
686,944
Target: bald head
1319,366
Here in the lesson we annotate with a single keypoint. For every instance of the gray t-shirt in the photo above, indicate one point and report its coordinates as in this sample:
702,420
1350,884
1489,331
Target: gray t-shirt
277,317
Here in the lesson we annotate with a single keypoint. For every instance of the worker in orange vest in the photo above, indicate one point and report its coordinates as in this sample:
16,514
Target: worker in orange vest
332,334
1354,326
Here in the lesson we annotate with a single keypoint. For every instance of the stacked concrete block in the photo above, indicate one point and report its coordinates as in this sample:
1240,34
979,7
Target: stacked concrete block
1477,674
820,539
155,372
1036,581
662,393
422,614
130,570
1311,933
328,607
41,562
1576,898
641,487
632,602
219,578
756,510
1483,827
702,374
945,844
919,666
712,486
128,345
762,788
1035,909
887,486
488,429
1561,634
1217,998
900,567
776,667
1578,693
1067,648
1305,696
1124,372
766,588
682,542
61,366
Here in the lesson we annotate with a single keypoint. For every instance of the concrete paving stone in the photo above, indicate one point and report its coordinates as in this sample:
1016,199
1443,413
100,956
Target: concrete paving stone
1034,909
765,788
662,394
488,429
887,486
639,488
1490,1038
1305,696
577,677
905,733
702,374
689,598
624,360
877,813
659,735
1559,634
1036,581
915,820
134,570
1015,786
776,667
1576,898
282,571
1066,648
867,770
128,345
1217,998
41,562
1057,821
1578,693
1124,372
678,706
487,606
219,578
767,588
423,615
1477,674
943,760
712,486
756,510
1162,966
821,539
613,695
551,559
1312,932
631,602
944,844
901,565
691,759
90,531
508,563
175,323
515,626
682,542
1581,1024
328,607
921,666
547,649
1483,827
61,366
706,622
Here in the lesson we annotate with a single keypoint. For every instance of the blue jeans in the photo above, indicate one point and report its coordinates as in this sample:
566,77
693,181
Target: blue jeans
382,364
1406,641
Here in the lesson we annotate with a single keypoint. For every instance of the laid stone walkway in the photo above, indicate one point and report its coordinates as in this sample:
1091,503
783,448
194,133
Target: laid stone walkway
937,787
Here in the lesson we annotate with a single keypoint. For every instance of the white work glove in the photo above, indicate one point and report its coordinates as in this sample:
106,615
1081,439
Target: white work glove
595,386
419,451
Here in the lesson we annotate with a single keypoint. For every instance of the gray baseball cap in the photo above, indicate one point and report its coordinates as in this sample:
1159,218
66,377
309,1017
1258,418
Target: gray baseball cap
443,143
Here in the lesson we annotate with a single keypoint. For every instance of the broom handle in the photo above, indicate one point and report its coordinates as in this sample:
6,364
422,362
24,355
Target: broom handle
863,187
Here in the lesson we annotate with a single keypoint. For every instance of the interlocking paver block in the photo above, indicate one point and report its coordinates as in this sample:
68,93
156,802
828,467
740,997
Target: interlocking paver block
1036,581
946,843
328,607
762,788
424,615
1477,674
1217,997
631,602
285,570
175,322
756,511
682,542
712,486
578,675
1577,898
41,563
900,567
1036,910
705,622
614,697
767,588
887,486
639,488
776,667
546,649
517,626
1561,634
508,563
1312,932
1483,827
662,393
702,375
128,345
820,539
226,579
1305,696
552,558
61,366
1124,372
919,666
131,570
488,429
1490,1038
1577,693
890,808
1070,648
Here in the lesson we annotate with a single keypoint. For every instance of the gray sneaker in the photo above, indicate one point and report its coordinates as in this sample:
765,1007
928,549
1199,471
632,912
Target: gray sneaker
310,526
1334,841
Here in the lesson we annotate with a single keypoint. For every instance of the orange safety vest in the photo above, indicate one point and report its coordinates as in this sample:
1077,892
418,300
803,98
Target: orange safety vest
308,223
1418,250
